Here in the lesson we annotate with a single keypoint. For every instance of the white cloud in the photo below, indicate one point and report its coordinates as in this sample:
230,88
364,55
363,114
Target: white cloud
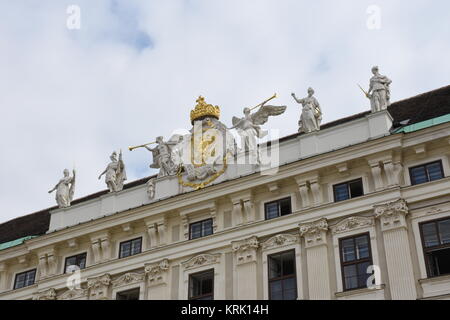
135,68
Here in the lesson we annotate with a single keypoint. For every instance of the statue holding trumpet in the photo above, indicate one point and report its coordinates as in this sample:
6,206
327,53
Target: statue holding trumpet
249,128
163,158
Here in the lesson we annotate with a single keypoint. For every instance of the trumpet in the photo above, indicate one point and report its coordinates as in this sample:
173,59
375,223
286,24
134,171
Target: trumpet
140,146
271,98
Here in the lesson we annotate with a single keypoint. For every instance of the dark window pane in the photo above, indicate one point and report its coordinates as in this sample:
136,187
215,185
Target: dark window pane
20,281
125,249
341,192
207,227
418,175
350,277
444,231
196,230
201,285
274,267
131,247
128,295
362,247
75,262
136,246
285,206
276,290
435,171
348,250
271,210
288,263
362,274
430,234
356,189
207,285
439,262
25,279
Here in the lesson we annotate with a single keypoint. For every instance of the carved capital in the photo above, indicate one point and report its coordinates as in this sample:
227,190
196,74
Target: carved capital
157,272
351,224
73,294
245,250
315,233
392,214
49,294
280,240
99,287
201,260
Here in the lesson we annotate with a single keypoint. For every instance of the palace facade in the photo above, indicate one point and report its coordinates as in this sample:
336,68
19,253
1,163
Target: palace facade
357,210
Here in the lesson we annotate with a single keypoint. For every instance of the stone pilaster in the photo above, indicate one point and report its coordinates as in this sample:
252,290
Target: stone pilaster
101,247
315,234
3,276
47,262
398,251
245,253
99,287
375,168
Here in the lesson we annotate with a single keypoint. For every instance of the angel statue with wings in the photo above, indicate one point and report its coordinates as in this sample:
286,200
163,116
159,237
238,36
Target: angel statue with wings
163,156
249,128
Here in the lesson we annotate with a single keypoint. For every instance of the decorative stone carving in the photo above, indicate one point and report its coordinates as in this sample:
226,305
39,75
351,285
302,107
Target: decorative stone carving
99,287
151,189
49,294
280,240
128,278
245,250
163,157
314,232
311,113
115,173
73,294
156,272
47,262
201,260
157,232
101,247
351,224
65,189
379,92
249,128
392,215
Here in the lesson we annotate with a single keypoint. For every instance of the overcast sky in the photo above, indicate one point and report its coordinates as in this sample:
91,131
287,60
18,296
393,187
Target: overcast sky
135,68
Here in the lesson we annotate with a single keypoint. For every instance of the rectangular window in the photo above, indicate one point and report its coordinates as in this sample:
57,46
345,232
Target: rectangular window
200,229
348,190
25,279
132,294
201,285
356,257
73,263
426,173
282,276
436,244
277,208
130,248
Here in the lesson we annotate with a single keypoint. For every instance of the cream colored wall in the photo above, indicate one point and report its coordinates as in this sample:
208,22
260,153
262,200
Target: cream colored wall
249,264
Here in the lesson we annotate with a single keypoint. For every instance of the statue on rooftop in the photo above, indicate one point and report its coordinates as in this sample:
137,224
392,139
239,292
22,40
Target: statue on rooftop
163,157
311,113
249,128
151,189
379,92
65,189
115,174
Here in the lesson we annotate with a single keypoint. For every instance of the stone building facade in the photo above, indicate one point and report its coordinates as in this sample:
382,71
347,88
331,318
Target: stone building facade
357,210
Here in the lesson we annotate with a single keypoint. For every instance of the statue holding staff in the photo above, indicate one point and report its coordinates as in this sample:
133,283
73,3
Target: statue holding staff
115,174
379,92
311,113
65,189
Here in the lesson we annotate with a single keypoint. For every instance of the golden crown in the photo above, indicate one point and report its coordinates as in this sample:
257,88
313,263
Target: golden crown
203,109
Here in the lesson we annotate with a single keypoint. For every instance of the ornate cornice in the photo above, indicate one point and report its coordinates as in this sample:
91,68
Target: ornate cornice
392,214
351,224
314,232
156,272
127,278
49,294
245,250
201,260
280,240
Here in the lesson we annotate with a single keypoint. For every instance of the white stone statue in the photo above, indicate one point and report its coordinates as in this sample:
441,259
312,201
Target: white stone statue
379,92
115,173
65,189
249,128
162,156
311,113
151,188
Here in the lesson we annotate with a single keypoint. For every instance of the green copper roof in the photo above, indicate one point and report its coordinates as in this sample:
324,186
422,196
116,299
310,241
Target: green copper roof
14,243
424,124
